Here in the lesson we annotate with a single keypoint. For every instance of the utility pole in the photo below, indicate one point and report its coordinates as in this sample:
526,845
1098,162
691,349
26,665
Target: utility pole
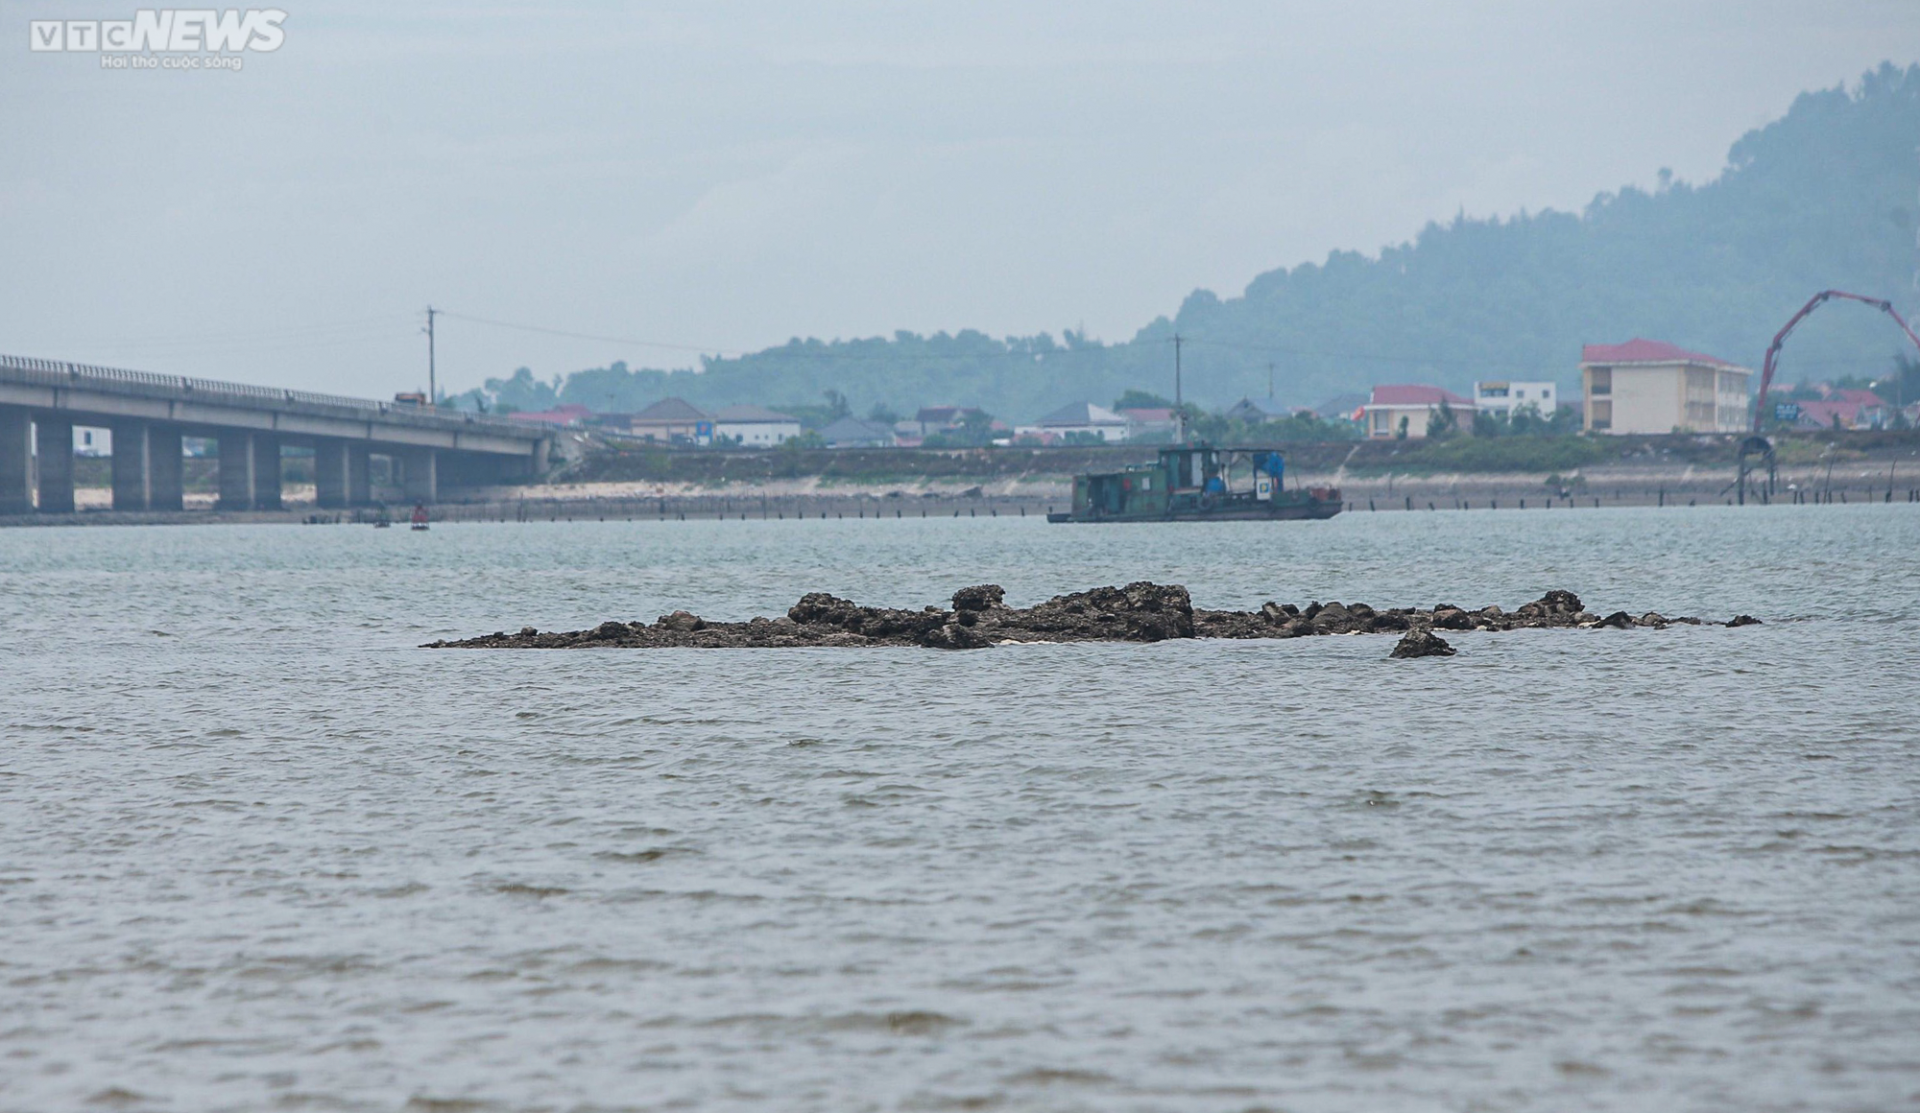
1269,382
1179,416
433,394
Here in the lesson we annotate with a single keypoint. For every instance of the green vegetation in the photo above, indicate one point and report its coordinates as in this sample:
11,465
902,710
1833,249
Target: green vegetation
1133,399
1823,196
1528,453
1559,458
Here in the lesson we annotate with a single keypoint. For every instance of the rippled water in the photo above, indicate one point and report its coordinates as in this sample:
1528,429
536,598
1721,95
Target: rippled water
257,851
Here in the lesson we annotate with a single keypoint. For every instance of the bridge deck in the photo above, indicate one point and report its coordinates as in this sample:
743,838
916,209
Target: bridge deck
106,394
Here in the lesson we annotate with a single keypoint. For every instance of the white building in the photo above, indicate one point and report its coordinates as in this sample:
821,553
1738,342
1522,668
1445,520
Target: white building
1083,419
756,426
1504,396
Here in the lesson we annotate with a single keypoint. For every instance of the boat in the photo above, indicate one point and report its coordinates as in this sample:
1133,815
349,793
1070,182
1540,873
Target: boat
1195,483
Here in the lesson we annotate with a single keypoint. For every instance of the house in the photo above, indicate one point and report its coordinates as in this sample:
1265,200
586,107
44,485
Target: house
1254,411
92,442
1388,406
944,419
1651,386
561,416
1503,396
1080,421
851,432
1340,407
672,421
1840,409
755,426
1150,423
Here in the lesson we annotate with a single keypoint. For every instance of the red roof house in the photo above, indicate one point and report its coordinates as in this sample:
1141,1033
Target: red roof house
1414,404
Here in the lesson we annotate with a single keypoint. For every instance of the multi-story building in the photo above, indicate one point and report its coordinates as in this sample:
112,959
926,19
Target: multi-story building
1651,386
1503,396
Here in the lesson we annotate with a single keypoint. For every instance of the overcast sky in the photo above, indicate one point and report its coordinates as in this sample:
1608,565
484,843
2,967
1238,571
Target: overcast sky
725,174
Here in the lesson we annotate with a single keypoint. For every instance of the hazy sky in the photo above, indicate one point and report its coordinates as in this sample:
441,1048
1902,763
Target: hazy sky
724,174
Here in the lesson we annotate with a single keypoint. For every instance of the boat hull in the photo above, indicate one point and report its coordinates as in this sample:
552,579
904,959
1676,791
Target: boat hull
1289,511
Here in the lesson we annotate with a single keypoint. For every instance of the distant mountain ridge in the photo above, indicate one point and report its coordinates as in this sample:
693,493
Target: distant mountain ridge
1826,196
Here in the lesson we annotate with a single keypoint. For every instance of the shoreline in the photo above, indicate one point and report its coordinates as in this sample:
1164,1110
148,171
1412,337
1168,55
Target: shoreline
680,502
1885,473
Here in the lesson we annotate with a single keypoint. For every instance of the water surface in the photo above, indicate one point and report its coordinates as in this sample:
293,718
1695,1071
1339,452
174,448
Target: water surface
258,851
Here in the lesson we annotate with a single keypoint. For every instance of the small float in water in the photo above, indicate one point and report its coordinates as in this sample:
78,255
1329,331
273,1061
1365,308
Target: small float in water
1195,483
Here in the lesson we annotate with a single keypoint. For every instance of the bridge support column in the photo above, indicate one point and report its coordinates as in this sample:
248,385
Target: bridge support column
330,474
266,472
340,474
249,471
53,437
421,466
359,475
166,480
16,461
132,478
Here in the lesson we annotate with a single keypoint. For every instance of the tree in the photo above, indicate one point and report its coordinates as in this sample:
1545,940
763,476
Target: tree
1826,189
522,393
1134,399
882,414
1441,422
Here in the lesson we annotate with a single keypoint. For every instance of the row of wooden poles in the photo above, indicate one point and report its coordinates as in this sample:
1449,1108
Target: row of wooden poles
771,509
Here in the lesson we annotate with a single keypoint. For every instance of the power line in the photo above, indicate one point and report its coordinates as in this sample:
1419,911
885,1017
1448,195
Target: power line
784,352
585,335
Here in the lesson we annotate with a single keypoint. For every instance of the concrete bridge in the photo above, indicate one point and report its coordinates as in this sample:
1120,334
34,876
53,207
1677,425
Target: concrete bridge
41,401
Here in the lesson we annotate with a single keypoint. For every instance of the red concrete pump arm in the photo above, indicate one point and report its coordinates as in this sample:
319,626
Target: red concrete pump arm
1779,338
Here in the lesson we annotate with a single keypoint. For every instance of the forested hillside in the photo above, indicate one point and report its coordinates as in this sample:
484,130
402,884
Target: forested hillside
1826,196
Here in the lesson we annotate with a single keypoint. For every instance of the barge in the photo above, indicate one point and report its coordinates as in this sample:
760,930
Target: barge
1196,484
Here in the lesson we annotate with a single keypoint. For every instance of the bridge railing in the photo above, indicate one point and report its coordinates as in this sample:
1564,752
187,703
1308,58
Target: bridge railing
59,373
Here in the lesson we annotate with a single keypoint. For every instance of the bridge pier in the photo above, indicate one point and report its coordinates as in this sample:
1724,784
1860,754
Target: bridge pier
16,460
147,470
340,474
53,437
249,470
166,471
132,478
421,474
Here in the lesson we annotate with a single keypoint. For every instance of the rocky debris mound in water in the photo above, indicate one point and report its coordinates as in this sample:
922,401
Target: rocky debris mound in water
1139,612
1422,643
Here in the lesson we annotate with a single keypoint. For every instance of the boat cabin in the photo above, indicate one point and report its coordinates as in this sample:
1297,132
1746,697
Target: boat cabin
1186,481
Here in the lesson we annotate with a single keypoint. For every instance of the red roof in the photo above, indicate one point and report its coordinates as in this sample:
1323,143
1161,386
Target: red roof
1821,414
559,415
1857,397
1645,351
1414,395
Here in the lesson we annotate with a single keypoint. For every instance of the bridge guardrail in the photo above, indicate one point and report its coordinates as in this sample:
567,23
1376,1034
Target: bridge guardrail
60,373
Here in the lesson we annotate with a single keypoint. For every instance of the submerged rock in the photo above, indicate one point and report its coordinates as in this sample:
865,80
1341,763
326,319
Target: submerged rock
1138,612
1422,643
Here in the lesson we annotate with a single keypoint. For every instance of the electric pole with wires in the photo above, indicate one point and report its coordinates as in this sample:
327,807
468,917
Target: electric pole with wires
1179,412
433,393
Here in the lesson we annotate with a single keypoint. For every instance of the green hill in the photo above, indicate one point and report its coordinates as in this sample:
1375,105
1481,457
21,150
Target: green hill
1826,196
